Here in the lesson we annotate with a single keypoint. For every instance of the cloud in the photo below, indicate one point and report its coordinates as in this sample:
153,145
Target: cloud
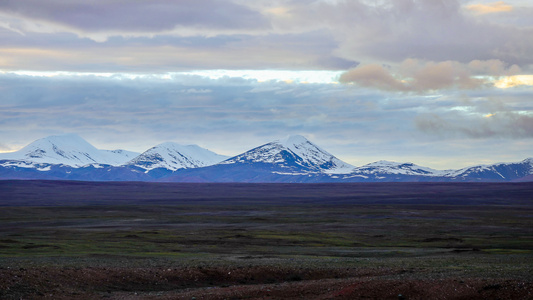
501,125
392,31
158,36
4,148
517,18
418,76
494,67
38,51
139,16
196,91
374,76
495,7
513,81
500,114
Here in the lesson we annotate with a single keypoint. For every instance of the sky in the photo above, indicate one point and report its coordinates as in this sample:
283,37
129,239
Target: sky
440,83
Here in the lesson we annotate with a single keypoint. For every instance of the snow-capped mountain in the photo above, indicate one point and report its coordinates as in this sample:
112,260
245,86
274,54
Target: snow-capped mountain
174,156
294,153
390,167
294,159
393,171
494,172
68,149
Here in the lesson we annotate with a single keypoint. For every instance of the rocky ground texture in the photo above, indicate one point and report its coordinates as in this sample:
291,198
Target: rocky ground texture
253,282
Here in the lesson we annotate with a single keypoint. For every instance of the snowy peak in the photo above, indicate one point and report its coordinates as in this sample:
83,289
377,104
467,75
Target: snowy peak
58,146
389,167
313,155
294,140
528,161
68,149
174,156
294,152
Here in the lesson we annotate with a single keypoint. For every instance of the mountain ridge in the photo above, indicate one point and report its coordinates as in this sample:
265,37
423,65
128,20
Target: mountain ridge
293,159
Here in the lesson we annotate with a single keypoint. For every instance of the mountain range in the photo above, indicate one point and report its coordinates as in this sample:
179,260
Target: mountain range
294,159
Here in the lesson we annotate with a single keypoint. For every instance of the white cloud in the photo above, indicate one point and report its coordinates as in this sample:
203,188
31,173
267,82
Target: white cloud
513,81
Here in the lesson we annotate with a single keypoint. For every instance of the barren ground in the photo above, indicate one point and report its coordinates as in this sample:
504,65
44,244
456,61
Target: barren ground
80,240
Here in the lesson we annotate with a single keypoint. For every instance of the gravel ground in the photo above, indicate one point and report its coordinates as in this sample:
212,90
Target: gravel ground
252,282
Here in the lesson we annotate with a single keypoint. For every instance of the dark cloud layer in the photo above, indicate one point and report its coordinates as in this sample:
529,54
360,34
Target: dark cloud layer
285,34
430,30
501,125
133,16
170,53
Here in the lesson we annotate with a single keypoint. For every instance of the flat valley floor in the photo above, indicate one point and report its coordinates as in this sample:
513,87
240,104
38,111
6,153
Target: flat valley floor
132,240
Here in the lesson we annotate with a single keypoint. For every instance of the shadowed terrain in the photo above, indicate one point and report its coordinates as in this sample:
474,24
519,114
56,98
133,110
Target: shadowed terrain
64,239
